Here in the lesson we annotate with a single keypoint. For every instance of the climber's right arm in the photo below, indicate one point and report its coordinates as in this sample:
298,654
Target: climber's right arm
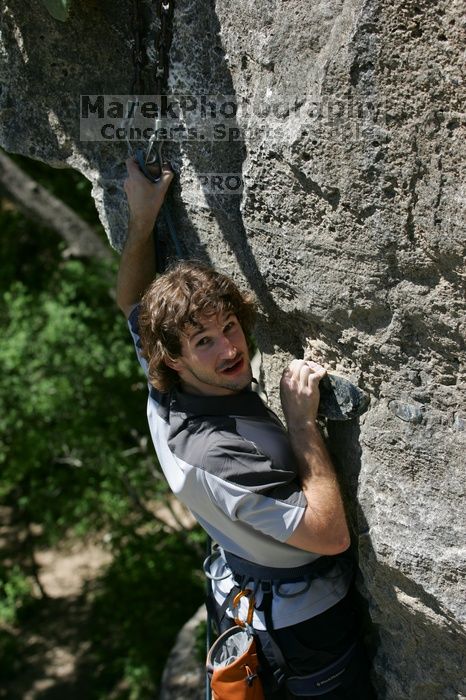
137,265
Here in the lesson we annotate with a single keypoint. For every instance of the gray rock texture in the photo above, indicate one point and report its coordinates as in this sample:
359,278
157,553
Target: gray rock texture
350,230
184,676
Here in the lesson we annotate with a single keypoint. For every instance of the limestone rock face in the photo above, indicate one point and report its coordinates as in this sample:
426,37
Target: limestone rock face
350,229
184,676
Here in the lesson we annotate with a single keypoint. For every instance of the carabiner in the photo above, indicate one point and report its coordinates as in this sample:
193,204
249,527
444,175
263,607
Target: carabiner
145,160
153,140
235,606
207,564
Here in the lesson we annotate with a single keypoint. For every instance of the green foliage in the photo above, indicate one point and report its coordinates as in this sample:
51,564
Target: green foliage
141,603
16,598
59,9
66,372
72,424
15,593
11,649
75,456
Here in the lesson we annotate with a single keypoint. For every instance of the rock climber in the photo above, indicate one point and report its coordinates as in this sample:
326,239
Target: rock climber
269,496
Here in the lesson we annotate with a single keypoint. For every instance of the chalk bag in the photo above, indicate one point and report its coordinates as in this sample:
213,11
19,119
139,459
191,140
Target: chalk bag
232,663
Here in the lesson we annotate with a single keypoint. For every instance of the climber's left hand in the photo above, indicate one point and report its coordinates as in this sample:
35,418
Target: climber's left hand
145,198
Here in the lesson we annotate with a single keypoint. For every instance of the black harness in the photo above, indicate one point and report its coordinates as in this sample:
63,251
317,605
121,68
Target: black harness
270,581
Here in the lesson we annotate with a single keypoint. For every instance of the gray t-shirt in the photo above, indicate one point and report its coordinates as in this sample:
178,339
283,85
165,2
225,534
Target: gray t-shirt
229,460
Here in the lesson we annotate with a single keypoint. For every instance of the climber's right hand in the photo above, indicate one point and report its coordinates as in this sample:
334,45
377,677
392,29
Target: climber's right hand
145,198
299,393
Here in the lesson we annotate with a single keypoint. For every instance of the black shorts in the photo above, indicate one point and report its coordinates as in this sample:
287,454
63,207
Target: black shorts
312,645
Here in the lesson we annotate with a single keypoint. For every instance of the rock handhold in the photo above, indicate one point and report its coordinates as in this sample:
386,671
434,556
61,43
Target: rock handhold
408,412
340,399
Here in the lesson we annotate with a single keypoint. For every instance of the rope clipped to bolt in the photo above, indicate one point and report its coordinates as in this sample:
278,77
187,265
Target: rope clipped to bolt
150,159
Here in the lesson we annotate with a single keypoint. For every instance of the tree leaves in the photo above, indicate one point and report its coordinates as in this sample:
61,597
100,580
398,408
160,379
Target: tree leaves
59,9
76,461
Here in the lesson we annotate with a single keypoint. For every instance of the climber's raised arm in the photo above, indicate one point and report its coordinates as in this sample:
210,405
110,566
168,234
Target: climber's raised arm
137,265
323,528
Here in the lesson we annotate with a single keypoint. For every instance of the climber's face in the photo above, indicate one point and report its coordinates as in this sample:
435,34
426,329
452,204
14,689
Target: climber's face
214,357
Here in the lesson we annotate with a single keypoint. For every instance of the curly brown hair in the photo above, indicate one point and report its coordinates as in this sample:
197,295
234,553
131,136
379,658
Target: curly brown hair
177,299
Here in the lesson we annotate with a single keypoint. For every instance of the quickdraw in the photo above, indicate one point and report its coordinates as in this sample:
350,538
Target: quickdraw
150,159
163,13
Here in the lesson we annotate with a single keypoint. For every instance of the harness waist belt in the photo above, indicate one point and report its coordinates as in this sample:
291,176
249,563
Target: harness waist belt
243,567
